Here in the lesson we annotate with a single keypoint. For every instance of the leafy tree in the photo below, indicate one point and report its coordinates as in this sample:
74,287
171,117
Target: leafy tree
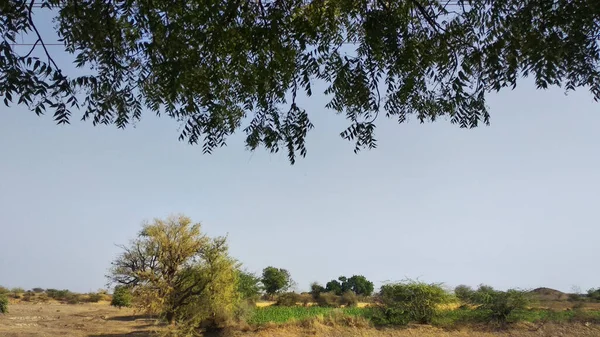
179,273
248,285
464,293
276,280
37,290
316,289
121,297
360,285
334,286
242,64
410,301
357,284
3,304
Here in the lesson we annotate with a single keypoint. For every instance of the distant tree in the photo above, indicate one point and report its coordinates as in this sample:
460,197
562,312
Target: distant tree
121,297
37,290
179,273
359,285
249,285
276,280
594,294
334,286
316,289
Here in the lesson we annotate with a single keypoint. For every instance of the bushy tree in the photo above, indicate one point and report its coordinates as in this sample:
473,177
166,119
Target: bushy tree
316,289
410,301
276,280
334,286
179,273
499,305
594,294
3,304
239,65
121,297
464,293
38,290
360,285
249,286
357,283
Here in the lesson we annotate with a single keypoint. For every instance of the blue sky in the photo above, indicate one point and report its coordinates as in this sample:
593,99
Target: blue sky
510,205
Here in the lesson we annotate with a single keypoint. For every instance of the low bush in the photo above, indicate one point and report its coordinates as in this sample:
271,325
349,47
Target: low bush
348,299
72,298
594,294
500,305
4,290
409,301
59,295
328,300
37,290
463,293
121,297
3,304
288,299
43,298
28,296
94,297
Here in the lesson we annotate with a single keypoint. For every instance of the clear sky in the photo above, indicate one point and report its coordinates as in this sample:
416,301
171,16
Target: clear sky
510,205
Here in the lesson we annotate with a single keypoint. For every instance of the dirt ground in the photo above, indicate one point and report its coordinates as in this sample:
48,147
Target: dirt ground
101,320
79,320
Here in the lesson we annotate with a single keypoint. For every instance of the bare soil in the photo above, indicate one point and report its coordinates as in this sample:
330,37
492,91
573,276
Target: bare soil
77,320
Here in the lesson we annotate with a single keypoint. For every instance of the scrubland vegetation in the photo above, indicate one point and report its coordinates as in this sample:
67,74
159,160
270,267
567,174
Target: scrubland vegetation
174,273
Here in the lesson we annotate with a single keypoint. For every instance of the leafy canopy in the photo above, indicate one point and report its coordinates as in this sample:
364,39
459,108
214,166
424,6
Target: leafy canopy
221,66
276,280
179,273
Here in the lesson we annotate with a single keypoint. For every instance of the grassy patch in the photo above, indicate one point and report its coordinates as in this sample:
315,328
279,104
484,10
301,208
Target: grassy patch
445,318
276,314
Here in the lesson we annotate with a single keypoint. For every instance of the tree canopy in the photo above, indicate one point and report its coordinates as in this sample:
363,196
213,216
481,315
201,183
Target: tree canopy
179,273
222,66
276,280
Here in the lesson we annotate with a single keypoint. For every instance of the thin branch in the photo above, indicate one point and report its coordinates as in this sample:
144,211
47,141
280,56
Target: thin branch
30,18
32,48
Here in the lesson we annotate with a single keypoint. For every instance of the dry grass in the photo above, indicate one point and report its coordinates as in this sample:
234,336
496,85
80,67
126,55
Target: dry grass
318,329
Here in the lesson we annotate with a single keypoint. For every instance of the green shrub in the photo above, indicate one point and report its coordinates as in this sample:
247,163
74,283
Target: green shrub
410,301
464,293
94,297
288,299
37,290
499,305
3,304
594,294
348,299
121,297
328,300
59,295
4,290
72,298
